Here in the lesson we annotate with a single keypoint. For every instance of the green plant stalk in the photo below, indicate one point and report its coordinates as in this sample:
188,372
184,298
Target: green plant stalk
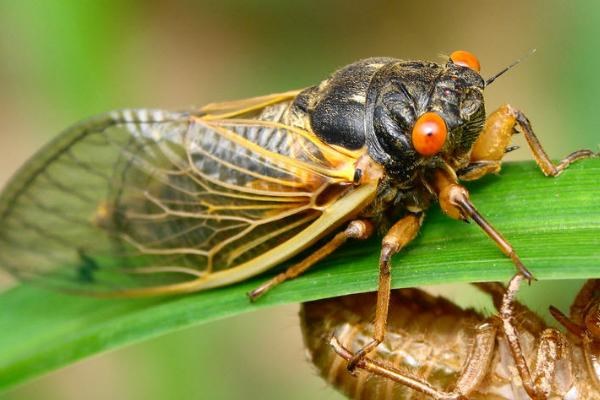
554,224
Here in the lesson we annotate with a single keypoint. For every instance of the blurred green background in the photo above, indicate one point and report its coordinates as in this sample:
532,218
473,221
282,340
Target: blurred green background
61,61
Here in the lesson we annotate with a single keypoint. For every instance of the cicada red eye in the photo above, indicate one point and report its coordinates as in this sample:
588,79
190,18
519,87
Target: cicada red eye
466,59
429,134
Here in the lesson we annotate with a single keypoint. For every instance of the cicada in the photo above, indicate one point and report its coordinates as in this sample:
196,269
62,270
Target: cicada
436,350
153,202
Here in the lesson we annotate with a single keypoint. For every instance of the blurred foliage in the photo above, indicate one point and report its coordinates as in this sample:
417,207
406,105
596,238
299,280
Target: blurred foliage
61,61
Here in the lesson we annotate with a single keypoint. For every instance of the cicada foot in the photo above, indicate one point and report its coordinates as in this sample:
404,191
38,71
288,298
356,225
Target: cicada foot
361,354
541,158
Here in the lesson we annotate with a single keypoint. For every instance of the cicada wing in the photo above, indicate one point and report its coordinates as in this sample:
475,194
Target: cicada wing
244,107
149,201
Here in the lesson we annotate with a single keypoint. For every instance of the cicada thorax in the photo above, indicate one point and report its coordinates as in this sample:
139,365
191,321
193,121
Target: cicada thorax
375,103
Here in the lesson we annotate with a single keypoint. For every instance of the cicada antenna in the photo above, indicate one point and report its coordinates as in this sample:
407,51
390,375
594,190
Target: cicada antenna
493,77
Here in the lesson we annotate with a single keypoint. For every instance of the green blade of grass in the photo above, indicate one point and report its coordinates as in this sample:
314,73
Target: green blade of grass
554,224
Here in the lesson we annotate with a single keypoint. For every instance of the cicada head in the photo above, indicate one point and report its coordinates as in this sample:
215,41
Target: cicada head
421,114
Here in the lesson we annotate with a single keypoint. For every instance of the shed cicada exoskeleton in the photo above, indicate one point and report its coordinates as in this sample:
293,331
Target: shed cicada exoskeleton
151,202
437,350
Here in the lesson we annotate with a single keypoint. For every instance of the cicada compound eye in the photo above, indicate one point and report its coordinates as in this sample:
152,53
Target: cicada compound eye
429,134
466,59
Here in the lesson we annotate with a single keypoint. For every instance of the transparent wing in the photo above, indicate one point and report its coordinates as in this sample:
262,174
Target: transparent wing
247,106
148,199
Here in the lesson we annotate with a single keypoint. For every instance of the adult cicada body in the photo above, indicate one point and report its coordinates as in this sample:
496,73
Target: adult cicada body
436,350
142,202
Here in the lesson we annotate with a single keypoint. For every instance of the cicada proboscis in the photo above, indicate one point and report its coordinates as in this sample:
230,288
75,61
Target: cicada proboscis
436,350
152,202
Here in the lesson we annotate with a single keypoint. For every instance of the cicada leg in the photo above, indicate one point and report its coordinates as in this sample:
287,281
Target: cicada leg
528,320
479,357
576,324
359,229
494,140
454,202
551,349
588,292
399,235
584,325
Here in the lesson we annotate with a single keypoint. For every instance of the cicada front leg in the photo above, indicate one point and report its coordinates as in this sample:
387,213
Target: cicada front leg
399,235
481,352
455,202
583,327
581,305
494,140
358,229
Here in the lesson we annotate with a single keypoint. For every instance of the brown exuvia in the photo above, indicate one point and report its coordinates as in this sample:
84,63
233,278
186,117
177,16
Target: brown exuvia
436,350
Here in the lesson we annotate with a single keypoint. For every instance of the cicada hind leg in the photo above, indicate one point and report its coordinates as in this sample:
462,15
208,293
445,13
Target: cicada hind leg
494,141
358,229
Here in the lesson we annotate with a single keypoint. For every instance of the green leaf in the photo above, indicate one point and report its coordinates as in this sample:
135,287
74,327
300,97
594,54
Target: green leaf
554,224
